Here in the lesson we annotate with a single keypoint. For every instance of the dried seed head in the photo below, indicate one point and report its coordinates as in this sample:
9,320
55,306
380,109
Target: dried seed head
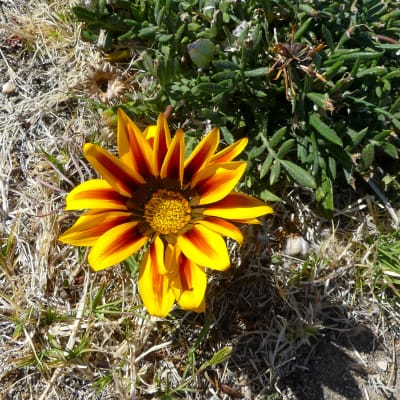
104,83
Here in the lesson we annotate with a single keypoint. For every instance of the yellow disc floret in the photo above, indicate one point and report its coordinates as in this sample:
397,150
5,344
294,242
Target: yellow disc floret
167,212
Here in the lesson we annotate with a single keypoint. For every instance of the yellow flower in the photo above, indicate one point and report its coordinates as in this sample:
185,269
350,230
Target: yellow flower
181,209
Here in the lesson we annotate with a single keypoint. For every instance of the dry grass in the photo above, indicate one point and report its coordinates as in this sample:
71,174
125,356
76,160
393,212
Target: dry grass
298,283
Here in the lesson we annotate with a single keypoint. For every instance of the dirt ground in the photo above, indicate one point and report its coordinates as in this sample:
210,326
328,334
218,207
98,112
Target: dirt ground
351,366
37,102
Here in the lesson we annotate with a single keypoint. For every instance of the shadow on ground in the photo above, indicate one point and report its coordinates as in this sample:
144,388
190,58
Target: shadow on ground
298,342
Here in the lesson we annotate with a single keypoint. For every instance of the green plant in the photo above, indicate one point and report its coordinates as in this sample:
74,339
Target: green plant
314,85
384,259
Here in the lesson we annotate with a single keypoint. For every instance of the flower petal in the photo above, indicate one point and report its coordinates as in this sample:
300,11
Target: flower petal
116,245
95,193
172,166
170,256
154,287
238,206
231,152
250,221
223,227
216,181
114,171
190,284
202,307
204,247
159,254
124,126
162,141
201,154
138,152
90,226
150,134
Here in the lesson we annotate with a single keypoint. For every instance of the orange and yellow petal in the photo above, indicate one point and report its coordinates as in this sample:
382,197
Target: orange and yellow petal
223,227
138,153
150,134
161,141
170,258
172,166
190,284
202,307
114,171
154,287
238,206
95,194
216,181
250,221
90,226
116,245
231,152
204,247
158,246
124,126
201,154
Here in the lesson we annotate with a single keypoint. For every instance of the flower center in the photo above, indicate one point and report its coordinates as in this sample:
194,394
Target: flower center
167,212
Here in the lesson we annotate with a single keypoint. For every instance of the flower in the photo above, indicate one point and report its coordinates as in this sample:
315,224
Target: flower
178,209
104,83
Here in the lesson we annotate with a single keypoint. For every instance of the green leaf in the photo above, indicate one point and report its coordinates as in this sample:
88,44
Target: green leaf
333,69
392,74
277,136
254,73
266,195
375,71
128,35
390,150
266,165
285,148
219,357
299,174
225,64
84,15
328,37
322,100
275,172
164,38
148,64
302,29
367,155
324,130
356,137
201,52
324,197
148,32
228,74
332,167
352,55
208,87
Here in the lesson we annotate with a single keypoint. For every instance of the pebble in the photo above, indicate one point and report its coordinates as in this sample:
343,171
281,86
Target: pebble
382,365
296,245
8,88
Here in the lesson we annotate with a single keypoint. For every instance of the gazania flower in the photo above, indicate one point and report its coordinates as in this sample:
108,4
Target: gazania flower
178,209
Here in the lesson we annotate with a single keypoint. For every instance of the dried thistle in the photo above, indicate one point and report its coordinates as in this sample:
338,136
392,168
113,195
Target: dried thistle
104,83
298,56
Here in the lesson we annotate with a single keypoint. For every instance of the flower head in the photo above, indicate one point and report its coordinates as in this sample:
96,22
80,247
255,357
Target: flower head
180,208
104,83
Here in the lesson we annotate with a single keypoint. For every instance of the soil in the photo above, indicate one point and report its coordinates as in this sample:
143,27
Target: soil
349,366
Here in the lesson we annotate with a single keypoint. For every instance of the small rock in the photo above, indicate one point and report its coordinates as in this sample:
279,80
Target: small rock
296,245
382,365
8,88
